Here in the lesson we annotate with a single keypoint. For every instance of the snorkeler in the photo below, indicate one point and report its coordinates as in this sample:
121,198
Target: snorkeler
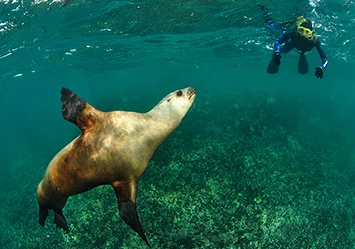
302,38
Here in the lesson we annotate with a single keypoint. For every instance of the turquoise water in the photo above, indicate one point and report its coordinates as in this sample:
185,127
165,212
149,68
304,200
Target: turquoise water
260,161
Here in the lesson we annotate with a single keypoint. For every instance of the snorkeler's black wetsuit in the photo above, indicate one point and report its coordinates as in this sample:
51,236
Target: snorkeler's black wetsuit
288,40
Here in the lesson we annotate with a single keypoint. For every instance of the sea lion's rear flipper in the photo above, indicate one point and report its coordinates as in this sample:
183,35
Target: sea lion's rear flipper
126,196
76,110
60,221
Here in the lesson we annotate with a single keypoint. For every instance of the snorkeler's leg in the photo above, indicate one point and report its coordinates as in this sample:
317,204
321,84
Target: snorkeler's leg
302,64
274,27
287,47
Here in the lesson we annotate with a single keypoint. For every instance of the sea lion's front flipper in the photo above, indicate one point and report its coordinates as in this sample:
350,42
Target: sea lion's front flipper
126,196
77,111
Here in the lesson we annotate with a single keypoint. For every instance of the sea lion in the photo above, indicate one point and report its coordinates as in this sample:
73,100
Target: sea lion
114,148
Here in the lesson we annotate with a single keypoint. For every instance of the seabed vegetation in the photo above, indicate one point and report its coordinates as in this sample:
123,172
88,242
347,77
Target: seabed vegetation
251,171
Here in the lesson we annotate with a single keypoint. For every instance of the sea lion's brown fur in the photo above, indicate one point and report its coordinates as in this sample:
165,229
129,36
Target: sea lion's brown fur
114,148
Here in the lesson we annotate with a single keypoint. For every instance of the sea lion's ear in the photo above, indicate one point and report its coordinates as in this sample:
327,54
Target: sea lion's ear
126,196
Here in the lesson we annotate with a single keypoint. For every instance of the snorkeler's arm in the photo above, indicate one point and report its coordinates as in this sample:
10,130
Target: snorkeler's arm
322,54
280,40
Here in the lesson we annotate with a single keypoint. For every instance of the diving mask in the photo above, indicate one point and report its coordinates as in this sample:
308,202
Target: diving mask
305,32
304,27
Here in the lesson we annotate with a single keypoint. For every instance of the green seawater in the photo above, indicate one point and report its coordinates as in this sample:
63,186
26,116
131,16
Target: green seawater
260,161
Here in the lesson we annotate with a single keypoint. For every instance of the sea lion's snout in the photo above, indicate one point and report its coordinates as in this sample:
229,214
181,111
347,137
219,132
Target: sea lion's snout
191,92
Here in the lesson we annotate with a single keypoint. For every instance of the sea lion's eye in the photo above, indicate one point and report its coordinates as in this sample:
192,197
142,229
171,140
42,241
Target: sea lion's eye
179,93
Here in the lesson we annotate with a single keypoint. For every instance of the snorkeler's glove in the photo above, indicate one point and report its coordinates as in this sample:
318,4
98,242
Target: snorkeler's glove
277,57
319,72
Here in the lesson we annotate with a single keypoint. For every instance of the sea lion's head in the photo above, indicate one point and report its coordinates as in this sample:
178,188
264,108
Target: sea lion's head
177,102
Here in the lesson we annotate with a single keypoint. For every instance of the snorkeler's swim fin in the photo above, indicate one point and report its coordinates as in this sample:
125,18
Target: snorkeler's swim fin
272,68
302,64
66,2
